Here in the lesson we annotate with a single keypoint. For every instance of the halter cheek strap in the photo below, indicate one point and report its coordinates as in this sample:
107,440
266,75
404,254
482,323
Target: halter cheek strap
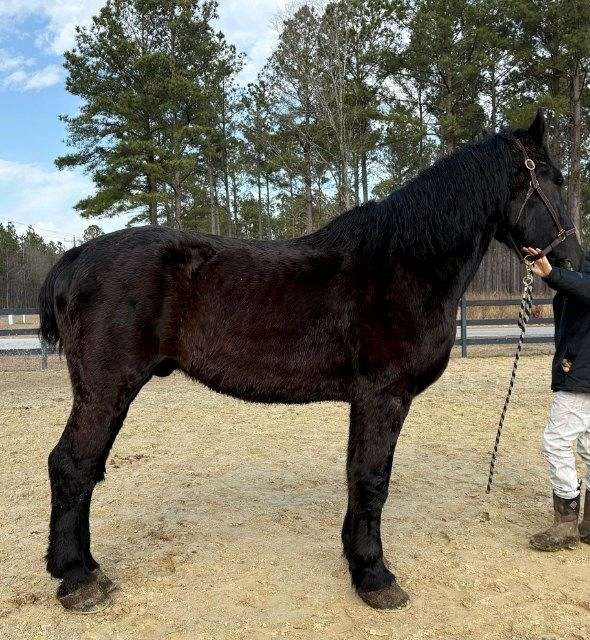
534,185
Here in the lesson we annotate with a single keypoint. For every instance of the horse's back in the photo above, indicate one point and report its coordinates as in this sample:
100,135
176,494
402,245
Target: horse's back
264,321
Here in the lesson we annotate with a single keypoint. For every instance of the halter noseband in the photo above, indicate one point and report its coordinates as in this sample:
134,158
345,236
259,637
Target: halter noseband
534,185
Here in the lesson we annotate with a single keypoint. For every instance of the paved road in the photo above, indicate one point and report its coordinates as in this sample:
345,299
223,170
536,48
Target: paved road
32,342
495,331
19,344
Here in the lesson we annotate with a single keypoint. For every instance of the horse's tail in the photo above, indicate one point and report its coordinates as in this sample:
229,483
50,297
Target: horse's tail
48,324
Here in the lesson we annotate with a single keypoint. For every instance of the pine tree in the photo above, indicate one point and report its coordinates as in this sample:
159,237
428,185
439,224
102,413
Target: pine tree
447,54
292,71
550,49
145,71
91,232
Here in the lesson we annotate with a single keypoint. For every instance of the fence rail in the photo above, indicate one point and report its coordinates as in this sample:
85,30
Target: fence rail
19,332
22,332
19,311
463,322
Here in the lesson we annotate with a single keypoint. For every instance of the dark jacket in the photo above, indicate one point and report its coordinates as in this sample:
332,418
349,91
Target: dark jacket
571,309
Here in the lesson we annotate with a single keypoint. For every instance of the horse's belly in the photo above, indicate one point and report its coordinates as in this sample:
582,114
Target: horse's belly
265,369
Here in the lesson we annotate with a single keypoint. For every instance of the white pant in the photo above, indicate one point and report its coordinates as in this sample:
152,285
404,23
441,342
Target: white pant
569,421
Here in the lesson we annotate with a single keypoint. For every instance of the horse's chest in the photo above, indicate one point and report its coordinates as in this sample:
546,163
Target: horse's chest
413,349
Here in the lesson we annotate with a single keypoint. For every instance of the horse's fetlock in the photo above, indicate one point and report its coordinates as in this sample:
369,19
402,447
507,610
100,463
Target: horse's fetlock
372,577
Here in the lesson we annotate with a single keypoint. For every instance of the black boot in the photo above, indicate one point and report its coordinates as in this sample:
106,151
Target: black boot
563,533
585,522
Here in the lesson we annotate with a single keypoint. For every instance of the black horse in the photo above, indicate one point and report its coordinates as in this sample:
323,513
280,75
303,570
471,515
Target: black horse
362,311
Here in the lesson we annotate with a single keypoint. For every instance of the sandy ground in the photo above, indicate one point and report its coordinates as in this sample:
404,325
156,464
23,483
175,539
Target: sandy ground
221,519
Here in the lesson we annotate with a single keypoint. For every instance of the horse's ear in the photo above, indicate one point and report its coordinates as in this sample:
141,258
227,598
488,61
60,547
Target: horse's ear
537,128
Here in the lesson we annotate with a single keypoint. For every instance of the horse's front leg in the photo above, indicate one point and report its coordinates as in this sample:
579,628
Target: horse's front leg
376,418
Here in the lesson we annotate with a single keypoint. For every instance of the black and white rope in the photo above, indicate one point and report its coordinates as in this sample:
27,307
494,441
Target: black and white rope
523,317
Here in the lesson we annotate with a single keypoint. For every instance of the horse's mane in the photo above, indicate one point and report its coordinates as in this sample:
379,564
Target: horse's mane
443,207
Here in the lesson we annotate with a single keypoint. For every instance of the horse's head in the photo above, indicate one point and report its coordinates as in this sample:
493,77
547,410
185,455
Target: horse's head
536,215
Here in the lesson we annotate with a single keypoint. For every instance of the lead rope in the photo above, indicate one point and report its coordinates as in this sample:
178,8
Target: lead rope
524,314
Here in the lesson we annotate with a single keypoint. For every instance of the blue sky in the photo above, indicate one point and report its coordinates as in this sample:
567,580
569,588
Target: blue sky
33,36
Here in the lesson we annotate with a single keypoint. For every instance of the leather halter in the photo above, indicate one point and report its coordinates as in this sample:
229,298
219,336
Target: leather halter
534,185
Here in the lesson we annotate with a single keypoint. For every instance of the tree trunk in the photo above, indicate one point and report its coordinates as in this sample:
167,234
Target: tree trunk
235,199
364,177
574,181
177,199
344,185
493,100
555,141
294,220
227,199
260,207
356,182
217,207
268,217
421,117
308,191
212,198
153,205
319,205
224,125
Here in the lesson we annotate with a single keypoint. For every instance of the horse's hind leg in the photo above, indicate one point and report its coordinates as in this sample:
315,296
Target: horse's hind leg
76,464
376,419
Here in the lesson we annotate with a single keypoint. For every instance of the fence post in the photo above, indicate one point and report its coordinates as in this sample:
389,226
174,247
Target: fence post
44,354
463,327
10,319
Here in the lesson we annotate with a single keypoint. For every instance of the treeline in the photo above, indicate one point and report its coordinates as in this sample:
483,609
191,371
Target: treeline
24,261
357,97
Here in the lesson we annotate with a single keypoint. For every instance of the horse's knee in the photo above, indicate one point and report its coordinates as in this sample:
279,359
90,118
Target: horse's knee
57,467
67,475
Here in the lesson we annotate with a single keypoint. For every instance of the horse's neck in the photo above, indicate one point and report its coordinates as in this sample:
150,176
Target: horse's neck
447,277
446,240
461,278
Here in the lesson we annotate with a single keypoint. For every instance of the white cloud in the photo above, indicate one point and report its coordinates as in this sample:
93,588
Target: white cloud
10,62
62,17
17,72
45,77
44,198
28,81
250,26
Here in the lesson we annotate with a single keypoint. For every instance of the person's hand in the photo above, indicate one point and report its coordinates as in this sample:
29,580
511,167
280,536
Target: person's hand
541,267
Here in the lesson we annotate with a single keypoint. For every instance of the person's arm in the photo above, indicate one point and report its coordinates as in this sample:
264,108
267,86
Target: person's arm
571,283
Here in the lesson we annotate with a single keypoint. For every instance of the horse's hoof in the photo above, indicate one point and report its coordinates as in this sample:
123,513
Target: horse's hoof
89,597
104,582
392,597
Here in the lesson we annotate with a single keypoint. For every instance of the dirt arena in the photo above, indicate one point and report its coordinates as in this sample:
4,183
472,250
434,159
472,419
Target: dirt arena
221,519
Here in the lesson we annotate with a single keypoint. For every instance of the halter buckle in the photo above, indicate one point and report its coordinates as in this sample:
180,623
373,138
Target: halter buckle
529,164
